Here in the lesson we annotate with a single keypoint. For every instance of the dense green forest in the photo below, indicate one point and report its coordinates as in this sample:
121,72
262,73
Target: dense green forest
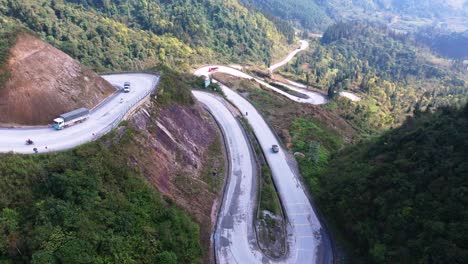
452,45
305,12
88,206
393,77
139,34
402,198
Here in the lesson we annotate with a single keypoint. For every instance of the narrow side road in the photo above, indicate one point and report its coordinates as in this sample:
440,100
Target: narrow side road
102,119
304,45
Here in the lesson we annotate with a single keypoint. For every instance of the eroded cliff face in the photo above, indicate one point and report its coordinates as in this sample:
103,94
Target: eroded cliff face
45,82
179,149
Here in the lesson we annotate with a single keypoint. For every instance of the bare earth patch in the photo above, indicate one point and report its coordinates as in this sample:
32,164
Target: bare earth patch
45,82
180,152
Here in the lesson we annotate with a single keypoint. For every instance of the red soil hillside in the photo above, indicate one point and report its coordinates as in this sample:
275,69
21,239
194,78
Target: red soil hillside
45,82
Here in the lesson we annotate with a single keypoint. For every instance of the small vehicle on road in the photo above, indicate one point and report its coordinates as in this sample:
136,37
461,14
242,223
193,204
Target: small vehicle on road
71,118
126,88
212,69
275,148
29,142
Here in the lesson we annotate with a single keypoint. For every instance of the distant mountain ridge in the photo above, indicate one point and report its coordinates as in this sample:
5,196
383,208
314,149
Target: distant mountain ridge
316,15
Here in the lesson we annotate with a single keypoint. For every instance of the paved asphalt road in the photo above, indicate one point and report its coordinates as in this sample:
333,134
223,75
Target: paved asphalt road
314,97
101,121
304,46
234,237
235,240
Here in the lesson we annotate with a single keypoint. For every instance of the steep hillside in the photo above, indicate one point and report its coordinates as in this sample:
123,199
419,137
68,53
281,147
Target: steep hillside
452,45
44,82
98,203
177,146
316,15
305,12
402,198
88,205
109,35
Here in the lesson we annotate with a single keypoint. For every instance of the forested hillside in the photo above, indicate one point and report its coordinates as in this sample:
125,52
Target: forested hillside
316,15
402,198
305,12
452,45
138,34
88,206
393,77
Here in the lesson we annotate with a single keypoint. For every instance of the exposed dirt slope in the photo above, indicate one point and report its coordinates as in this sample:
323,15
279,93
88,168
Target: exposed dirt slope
179,150
45,82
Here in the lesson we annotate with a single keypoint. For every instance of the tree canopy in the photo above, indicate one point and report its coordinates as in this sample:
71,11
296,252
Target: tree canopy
402,198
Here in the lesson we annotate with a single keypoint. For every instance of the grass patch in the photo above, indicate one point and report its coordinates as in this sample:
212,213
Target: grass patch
269,200
214,172
289,91
268,197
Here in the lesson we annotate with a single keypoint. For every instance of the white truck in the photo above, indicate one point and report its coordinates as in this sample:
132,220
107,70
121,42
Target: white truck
71,118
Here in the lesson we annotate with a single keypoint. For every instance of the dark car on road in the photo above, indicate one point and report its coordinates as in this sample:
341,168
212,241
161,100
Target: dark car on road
275,148
126,88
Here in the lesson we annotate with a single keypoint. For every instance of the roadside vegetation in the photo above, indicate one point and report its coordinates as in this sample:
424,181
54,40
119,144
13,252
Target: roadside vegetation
316,143
8,35
175,87
88,206
270,222
214,175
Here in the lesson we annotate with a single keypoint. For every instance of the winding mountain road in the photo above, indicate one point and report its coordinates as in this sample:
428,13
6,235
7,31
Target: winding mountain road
313,97
234,237
102,119
235,240
304,45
